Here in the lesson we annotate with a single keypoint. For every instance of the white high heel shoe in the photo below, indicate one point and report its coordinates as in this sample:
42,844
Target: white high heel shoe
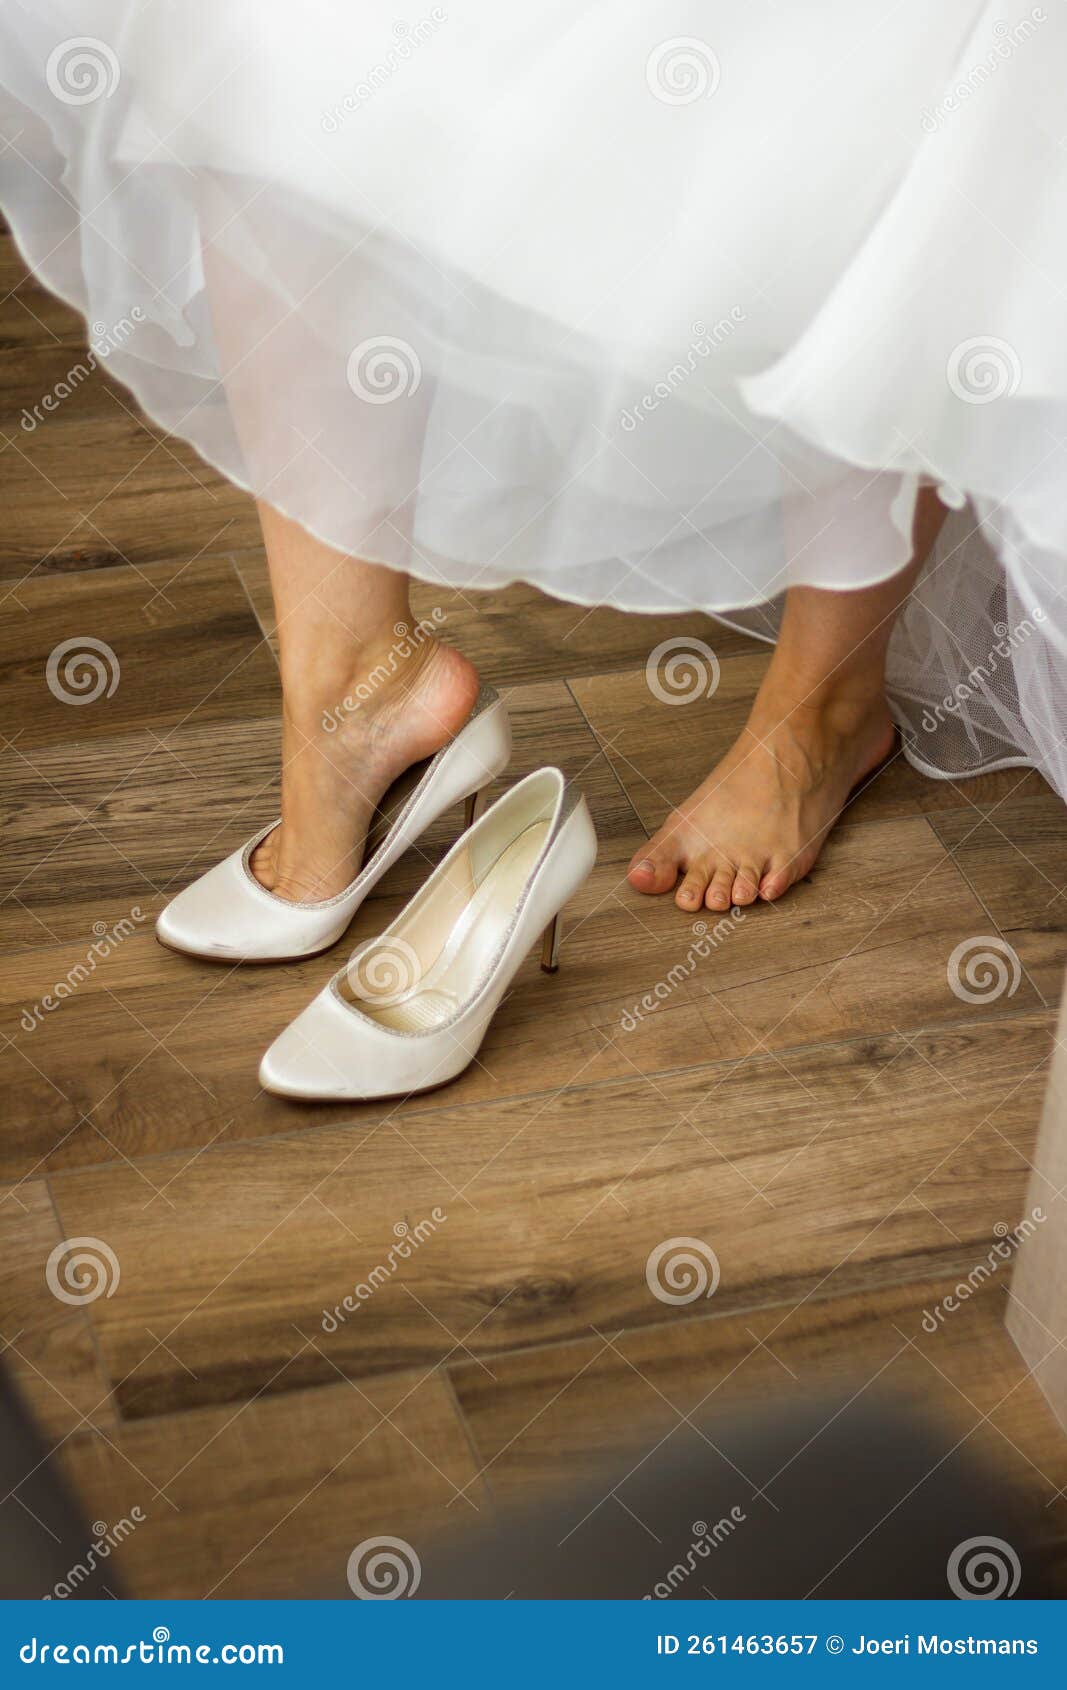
228,915
411,1007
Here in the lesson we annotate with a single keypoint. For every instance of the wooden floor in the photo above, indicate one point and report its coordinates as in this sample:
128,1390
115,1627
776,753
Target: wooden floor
812,1101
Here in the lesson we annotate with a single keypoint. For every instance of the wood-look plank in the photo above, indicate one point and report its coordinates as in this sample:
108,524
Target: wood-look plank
876,928
31,317
663,750
94,484
270,1500
182,646
100,830
1015,857
100,821
642,990
39,383
46,1340
863,946
92,492
90,482
545,1417
859,1162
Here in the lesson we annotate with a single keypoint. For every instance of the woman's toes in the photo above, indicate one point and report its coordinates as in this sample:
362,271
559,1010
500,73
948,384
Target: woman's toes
652,871
264,864
776,881
746,886
690,894
718,894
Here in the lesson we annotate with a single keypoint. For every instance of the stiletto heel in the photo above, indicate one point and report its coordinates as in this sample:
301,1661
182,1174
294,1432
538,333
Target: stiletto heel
550,946
473,806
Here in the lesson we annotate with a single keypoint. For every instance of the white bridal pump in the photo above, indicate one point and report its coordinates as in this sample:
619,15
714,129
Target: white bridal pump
227,915
411,1007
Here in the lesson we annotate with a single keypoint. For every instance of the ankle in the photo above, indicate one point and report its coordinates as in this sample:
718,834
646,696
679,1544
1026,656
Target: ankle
840,702
373,679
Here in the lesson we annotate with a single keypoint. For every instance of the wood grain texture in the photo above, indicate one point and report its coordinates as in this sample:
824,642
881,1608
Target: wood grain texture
622,1394
31,317
150,1053
851,1164
121,821
270,1500
90,483
46,1340
663,750
126,812
1015,858
605,1387
94,489
182,646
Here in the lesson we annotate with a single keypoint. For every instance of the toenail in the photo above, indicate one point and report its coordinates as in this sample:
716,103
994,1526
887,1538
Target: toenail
645,866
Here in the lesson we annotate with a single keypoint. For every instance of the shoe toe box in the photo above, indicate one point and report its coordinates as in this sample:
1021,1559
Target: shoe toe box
306,1060
209,918
330,1051
227,916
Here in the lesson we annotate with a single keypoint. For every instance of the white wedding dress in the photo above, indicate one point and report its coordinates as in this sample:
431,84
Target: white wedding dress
654,303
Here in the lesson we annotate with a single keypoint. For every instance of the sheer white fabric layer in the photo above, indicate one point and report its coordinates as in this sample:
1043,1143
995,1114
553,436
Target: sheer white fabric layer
664,304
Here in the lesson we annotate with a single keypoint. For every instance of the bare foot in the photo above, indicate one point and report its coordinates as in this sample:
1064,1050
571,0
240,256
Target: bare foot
401,709
758,822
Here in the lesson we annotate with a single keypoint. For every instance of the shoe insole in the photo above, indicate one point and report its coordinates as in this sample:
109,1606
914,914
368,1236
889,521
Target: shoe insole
417,976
